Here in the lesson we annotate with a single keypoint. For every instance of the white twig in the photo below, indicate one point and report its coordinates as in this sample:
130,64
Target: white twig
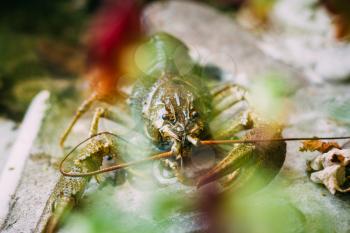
12,170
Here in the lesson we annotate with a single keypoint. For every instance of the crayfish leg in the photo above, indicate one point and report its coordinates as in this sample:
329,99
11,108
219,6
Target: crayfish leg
69,190
83,108
67,193
100,112
225,96
262,160
237,158
230,178
230,113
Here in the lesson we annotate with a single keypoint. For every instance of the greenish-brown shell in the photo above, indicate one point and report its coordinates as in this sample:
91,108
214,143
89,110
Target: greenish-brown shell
170,93
166,81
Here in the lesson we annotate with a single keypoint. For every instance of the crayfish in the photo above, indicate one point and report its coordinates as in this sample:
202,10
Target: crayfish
178,107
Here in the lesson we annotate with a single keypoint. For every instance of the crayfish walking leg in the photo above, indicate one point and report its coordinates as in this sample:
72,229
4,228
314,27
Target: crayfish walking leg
69,190
245,163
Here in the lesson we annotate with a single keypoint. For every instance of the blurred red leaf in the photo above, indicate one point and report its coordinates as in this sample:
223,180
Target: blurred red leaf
115,27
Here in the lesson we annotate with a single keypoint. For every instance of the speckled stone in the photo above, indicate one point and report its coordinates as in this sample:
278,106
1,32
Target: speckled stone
215,38
303,36
318,111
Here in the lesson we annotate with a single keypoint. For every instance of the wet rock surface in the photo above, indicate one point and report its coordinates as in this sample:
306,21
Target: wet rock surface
216,39
318,109
303,36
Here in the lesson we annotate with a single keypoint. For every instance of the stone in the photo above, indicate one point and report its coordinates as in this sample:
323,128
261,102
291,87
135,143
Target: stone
216,39
302,35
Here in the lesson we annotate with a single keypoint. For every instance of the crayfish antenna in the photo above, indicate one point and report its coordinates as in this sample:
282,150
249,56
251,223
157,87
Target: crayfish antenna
219,170
170,153
118,166
237,141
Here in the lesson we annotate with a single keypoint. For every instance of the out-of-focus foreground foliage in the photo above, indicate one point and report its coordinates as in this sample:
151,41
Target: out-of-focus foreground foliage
168,211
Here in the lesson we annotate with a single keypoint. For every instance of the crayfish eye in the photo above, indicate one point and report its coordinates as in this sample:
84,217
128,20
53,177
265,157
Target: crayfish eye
195,114
165,116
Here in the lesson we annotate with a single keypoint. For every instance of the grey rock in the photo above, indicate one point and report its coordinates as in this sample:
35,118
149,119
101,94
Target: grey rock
216,39
302,36
316,113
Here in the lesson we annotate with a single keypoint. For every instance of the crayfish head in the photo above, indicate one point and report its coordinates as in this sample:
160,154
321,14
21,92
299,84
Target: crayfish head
182,134
174,117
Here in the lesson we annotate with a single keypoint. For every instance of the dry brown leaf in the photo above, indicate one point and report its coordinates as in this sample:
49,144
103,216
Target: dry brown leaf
317,145
329,169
